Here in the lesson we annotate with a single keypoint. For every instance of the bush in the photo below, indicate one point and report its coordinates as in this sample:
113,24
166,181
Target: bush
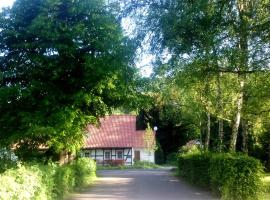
144,165
159,155
233,176
192,147
171,159
194,167
45,182
64,181
237,176
85,171
26,182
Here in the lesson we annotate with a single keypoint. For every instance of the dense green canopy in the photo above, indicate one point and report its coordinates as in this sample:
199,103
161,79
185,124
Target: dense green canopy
63,63
215,56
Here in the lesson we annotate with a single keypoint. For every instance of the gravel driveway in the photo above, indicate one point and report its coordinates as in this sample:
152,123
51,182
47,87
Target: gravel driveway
157,184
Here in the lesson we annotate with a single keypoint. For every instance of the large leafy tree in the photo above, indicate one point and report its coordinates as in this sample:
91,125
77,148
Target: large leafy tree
215,43
63,63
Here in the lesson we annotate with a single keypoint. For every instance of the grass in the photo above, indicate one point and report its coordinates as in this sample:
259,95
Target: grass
136,165
266,181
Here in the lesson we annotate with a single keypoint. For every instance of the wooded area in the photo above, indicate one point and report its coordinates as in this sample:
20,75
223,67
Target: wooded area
211,75
63,65
66,63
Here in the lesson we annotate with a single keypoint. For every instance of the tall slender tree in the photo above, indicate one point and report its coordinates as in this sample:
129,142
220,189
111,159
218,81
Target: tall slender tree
228,37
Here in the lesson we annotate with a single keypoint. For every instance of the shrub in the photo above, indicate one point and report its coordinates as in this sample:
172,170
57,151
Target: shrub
45,182
64,181
85,171
159,155
194,167
171,159
27,182
144,165
192,147
234,176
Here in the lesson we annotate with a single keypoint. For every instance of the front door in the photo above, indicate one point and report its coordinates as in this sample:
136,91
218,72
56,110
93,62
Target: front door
137,156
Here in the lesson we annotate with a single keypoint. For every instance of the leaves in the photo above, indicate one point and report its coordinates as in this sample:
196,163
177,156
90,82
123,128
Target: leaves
63,65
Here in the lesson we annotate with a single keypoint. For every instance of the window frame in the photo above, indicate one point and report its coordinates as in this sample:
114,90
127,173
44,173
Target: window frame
117,154
87,153
105,155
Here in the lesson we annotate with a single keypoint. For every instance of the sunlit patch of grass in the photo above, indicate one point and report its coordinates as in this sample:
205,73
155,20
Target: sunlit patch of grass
266,182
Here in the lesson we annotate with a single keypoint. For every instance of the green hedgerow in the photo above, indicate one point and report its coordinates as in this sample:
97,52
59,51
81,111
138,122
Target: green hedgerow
85,171
45,182
64,181
234,176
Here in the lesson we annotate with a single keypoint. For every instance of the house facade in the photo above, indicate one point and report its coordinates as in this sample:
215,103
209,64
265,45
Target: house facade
117,142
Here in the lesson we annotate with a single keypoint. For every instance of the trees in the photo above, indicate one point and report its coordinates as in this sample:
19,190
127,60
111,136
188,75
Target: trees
62,65
221,46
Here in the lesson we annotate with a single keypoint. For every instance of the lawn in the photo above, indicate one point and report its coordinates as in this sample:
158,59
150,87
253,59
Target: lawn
266,181
136,165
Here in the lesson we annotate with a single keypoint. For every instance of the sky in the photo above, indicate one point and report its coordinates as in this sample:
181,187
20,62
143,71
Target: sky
144,63
5,3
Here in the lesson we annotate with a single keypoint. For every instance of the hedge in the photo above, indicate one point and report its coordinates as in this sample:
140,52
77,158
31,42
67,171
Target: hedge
233,176
45,182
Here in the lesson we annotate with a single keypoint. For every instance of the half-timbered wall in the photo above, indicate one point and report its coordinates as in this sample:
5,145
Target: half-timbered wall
105,155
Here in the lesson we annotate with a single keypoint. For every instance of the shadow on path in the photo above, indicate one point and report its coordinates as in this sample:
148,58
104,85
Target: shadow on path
141,185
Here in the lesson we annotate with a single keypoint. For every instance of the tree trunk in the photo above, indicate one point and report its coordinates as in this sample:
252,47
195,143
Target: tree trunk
208,132
244,136
220,135
220,111
243,66
201,132
62,157
236,123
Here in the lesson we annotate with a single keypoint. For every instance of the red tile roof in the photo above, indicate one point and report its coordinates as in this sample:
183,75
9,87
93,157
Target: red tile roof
115,131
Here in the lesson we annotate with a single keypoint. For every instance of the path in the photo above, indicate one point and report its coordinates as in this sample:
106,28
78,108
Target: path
141,185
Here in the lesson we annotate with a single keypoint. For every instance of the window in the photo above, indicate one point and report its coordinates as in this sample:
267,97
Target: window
107,155
86,154
119,154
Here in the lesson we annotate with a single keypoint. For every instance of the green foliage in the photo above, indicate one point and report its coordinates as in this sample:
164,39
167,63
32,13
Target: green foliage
84,170
190,149
136,165
149,139
234,176
159,155
266,181
63,64
27,182
45,182
65,181
195,168
171,159
144,165
176,125
209,49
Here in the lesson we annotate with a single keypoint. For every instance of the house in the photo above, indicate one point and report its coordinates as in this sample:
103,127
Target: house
116,141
